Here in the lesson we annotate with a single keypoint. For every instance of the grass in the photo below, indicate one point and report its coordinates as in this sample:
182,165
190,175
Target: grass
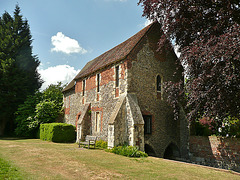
38,159
7,171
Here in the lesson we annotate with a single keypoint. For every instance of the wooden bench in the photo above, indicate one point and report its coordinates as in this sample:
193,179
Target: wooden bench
89,140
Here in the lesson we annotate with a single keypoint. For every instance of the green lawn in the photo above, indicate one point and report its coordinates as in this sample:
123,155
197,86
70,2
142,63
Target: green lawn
38,159
7,171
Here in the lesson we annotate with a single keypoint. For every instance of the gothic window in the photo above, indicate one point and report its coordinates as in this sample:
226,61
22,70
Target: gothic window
84,85
159,83
147,124
117,76
98,82
98,122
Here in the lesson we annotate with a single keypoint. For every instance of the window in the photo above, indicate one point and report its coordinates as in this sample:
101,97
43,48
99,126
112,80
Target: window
117,76
84,84
159,83
147,124
98,82
98,122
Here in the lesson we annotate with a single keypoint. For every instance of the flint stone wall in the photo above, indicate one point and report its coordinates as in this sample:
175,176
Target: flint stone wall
215,151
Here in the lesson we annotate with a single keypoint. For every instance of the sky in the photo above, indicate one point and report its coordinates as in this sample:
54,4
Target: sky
68,33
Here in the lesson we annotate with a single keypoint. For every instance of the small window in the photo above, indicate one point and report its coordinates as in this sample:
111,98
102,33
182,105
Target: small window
147,124
84,84
98,122
98,82
159,83
117,76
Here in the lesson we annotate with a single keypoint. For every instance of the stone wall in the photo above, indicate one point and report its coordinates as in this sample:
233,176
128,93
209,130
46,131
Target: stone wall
215,151
102,102
145,68
138,84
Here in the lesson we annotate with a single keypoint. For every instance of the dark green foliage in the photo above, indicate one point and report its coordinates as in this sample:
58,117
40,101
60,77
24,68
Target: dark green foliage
8,172
101,144
57,132
25,114
129,151
43,107
18,68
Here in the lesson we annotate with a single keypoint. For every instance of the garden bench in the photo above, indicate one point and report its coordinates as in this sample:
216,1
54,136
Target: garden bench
89,140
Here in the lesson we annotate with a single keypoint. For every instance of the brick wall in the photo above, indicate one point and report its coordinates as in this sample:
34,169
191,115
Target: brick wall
215,151
107,76
78,87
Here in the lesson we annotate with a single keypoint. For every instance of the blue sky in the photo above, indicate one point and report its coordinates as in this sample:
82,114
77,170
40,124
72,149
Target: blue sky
69,33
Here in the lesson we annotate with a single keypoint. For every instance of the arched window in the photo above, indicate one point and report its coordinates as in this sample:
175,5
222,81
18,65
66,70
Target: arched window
159,83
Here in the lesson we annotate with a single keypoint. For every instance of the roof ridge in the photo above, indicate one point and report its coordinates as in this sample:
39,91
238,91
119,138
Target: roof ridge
113,55
105,58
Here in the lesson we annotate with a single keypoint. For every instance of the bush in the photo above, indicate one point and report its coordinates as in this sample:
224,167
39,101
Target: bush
129,151
57,132
101,144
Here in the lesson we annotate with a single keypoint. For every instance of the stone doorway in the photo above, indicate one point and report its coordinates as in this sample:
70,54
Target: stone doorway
149,150
172,152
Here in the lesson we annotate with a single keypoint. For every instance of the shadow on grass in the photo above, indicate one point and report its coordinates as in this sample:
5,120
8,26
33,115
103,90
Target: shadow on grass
13,138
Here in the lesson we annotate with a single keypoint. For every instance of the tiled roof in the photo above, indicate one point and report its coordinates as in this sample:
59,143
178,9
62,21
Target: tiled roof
115,54
69,86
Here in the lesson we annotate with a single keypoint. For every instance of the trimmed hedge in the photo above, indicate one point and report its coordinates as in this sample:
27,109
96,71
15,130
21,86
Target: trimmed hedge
57,132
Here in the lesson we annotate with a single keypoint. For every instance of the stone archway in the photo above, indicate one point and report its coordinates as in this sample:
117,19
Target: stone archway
171,152
149,150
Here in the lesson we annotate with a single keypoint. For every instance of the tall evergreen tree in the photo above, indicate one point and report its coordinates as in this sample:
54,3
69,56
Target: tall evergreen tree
18,69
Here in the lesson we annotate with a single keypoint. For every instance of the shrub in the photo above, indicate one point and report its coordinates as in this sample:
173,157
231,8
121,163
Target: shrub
57,132
101,144
129,151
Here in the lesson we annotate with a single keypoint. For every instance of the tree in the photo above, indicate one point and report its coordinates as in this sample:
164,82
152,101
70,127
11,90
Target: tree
42,107
208,36
18,69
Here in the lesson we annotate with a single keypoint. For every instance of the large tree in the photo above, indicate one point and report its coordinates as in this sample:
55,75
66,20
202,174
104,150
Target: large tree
207,34
18,69
42,107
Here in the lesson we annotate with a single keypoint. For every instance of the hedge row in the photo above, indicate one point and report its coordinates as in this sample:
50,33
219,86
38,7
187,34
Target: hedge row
57,132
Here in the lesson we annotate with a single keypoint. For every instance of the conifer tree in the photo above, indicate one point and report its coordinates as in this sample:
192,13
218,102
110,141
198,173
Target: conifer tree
18,69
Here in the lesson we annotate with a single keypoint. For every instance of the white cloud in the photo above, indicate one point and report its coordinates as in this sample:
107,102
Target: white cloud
147,22
59,73
66,45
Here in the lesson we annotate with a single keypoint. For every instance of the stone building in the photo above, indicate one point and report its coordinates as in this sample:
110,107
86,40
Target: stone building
118,97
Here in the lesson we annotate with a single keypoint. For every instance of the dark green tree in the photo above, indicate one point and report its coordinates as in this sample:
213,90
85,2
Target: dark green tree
18,69
43,107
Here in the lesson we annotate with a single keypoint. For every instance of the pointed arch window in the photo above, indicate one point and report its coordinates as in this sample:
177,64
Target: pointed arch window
84,86
117,76
98,83
159,83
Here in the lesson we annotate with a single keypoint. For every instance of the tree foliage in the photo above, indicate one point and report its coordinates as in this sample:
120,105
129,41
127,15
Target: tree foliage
207,33
43,107
18,68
